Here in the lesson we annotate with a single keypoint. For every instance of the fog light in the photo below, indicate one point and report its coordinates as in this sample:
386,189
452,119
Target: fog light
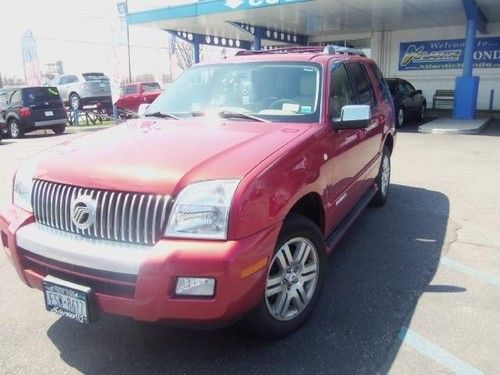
195,286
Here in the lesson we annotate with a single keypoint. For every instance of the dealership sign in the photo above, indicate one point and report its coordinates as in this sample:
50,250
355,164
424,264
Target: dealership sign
448,54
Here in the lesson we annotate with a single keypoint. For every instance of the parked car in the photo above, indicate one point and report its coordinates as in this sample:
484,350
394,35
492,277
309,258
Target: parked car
221,203
135,94
83,90
408,102
33,108
3,123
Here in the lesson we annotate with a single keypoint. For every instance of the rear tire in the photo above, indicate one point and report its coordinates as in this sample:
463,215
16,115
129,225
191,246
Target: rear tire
15,130
59,129
295,277
383,180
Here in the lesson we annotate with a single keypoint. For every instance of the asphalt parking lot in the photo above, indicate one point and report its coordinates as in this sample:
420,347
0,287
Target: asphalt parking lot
414,287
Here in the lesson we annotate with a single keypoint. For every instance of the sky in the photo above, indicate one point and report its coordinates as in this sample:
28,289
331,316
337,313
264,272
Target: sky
78,33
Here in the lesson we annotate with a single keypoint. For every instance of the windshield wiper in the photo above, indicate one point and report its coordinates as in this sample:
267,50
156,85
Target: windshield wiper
161,115
236,114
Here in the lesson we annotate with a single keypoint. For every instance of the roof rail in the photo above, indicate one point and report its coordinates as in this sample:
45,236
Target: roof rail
300,49
329,50
333,50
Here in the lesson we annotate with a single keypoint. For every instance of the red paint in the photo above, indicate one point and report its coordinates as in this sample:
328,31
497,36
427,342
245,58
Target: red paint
277,163
137,96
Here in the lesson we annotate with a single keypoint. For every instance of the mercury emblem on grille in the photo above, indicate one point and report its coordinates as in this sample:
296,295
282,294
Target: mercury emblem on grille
83,211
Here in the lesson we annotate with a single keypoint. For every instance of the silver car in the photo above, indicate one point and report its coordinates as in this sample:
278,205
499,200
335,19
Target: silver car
84,89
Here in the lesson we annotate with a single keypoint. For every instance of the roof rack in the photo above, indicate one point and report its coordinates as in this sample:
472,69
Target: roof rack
301,49
333,50
329,50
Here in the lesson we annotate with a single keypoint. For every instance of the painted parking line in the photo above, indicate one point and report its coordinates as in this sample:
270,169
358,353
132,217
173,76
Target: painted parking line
470,271
436,353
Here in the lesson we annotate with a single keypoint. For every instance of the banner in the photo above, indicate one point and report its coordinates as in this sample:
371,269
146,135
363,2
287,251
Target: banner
118,50
448,54
31,63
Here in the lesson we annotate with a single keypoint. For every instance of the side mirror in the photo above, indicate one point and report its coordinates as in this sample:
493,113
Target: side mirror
353,117
418,92
142,109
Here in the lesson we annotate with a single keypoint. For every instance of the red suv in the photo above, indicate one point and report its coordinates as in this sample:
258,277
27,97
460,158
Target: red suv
221,203
135,94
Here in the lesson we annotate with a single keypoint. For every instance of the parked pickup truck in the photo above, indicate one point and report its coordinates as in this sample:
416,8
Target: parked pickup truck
221,203
135,94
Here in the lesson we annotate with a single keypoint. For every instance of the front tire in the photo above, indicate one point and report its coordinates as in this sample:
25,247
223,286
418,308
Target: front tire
294,280
400,118
15,130
74,101
422,112
383,179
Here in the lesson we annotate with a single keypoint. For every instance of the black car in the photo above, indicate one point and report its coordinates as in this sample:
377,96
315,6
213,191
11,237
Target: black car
408,102
33,108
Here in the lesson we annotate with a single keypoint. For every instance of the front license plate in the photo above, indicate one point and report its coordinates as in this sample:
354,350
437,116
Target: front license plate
49,113
67,299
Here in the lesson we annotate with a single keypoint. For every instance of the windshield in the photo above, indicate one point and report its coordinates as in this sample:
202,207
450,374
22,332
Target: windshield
40,94
279,92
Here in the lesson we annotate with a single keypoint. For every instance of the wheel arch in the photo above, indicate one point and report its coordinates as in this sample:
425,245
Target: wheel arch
311,207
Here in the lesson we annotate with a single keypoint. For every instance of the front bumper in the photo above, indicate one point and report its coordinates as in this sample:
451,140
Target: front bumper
138,281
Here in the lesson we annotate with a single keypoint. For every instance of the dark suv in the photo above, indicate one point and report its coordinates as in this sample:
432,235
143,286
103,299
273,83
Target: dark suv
33,108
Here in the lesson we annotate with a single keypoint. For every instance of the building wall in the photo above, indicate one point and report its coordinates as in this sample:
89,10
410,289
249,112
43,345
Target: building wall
385,51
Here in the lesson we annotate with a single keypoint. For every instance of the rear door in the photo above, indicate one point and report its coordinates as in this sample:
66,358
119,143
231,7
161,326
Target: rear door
45,104
371,137
65,86
130,97
150,91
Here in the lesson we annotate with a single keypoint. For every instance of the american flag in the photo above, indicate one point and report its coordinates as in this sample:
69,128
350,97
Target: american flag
31,63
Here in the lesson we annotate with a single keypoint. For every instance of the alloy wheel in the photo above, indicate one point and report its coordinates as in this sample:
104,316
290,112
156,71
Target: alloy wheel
14,129
401,117
386,175
292,278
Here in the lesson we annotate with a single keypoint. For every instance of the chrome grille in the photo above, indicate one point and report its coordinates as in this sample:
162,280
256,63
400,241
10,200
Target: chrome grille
120,216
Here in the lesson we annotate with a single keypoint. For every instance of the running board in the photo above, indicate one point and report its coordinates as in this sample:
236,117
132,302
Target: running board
335,237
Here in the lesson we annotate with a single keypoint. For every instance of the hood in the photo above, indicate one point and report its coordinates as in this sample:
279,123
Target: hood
162,156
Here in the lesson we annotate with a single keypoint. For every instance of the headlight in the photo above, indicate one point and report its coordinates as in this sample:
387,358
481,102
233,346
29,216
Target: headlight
201,210
23,184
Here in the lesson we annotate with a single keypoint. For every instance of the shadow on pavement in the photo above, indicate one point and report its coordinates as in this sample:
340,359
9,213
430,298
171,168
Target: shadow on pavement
376,276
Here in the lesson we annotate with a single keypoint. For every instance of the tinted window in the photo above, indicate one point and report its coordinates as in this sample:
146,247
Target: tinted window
15,97
341,92
68,79
150,86
409,87
362,84
382,83
40,94
130,89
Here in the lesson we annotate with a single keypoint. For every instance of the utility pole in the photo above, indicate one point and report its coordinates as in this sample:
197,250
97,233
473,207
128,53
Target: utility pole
128,44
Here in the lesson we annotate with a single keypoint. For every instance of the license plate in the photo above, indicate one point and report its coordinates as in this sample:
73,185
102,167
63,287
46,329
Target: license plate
49,113
102,85
67,299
